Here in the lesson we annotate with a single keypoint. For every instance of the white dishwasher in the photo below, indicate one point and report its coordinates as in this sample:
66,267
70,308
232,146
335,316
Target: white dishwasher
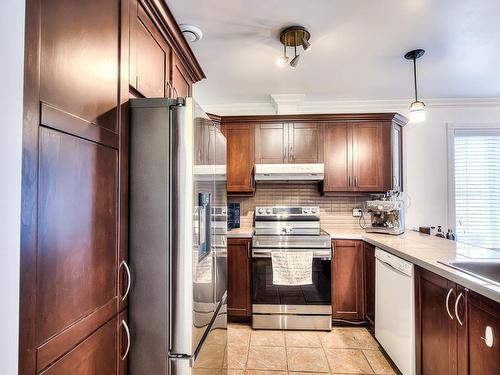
395,309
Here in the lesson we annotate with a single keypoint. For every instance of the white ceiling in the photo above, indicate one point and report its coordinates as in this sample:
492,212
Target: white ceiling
358,48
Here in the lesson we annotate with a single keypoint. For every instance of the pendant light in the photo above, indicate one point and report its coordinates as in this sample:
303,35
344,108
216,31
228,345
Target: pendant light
417,108
293,36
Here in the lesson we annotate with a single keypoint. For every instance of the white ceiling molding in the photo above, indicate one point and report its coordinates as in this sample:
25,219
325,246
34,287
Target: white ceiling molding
287,104
293,104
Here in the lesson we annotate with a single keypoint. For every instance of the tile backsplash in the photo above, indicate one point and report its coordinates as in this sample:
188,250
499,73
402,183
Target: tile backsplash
335,211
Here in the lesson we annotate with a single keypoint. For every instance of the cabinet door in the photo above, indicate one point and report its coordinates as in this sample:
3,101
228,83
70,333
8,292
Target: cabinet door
240,157
239,284
369,253
96,355
482,357
303,143
271,143
337,156
150,56
371,157
347,280
181,83
436,329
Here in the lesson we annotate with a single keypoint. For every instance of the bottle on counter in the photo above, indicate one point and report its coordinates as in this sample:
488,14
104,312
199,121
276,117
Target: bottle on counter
450,235
440,232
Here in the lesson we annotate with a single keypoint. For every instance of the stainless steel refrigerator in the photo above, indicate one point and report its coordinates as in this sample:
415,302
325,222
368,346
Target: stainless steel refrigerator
177,244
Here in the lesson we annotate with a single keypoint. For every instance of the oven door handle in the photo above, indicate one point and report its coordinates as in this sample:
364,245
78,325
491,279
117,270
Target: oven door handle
323,254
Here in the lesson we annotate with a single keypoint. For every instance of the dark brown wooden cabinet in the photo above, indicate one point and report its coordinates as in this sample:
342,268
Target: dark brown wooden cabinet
451,324
478,314
271,143
358,157
369,279
347,280
304,142
277,143
239,282
436,326
150,55
180,82
83,60
240,158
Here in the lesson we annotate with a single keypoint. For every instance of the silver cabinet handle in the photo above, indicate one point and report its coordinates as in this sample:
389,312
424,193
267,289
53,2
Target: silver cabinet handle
175,92
356,181
248,250
456,309
127,331
291,153
447,304
129,278
349,181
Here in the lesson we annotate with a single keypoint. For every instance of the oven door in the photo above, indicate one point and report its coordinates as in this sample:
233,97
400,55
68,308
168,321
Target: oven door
266,293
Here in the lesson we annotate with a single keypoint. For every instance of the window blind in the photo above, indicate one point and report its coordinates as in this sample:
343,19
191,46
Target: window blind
477,187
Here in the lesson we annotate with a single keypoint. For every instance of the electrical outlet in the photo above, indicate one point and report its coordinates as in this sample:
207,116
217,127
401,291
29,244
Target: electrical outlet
357,212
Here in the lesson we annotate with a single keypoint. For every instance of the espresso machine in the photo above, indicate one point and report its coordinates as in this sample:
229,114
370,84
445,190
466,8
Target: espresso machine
386,215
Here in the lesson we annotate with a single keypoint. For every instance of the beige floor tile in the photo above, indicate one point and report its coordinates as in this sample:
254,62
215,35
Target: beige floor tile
339,338
266,358
307,359
259,372
378,362
267,338
237,356
347,361
300,339
233,372
205,371
365,339
217,337
211,357
238,334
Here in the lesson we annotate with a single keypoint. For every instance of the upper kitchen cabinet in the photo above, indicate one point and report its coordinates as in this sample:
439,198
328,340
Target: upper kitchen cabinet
240,158
363,156
278,143
304,143
271,143
149,56
161,62
180,83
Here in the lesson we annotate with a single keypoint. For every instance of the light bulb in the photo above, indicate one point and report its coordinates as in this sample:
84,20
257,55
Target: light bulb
282,61
306,45
294,62
417,112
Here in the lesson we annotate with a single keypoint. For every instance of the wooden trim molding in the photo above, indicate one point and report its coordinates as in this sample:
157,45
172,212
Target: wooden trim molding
337,117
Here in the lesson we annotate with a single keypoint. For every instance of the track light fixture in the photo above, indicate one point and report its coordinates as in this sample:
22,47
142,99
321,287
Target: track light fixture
417,108
293,36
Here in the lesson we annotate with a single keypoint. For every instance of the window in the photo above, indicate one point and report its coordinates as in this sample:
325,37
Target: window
475,185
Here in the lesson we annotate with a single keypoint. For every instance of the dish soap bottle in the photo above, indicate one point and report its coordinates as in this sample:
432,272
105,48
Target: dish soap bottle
440,232
450,235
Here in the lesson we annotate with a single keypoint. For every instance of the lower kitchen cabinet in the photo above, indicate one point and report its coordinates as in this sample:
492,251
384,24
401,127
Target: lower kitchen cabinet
369,287
452,328
476,353
347,280
239,279
104,352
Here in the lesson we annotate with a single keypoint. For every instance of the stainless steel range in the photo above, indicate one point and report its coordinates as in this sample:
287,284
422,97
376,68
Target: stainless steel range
307,307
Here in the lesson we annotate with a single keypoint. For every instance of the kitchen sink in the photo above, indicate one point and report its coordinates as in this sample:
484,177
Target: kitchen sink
485,269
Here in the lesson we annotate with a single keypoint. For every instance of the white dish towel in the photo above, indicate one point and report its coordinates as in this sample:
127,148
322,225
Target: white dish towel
292,267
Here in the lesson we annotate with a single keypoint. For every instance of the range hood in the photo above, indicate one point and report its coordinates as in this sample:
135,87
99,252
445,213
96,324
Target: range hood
289,172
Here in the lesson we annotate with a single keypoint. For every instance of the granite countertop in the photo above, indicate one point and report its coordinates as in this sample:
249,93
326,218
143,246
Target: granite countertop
420,249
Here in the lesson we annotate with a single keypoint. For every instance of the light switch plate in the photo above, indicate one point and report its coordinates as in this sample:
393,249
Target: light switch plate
357,212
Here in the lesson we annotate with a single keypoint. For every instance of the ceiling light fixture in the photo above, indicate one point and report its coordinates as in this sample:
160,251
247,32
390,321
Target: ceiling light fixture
191,33
417,108
293,36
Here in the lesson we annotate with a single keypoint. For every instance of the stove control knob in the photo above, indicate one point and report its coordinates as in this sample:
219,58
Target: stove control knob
260,211
314,210
268,211
305,210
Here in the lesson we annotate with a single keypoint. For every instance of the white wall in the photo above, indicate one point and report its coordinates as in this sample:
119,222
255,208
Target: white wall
426,161
11,107
425,144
